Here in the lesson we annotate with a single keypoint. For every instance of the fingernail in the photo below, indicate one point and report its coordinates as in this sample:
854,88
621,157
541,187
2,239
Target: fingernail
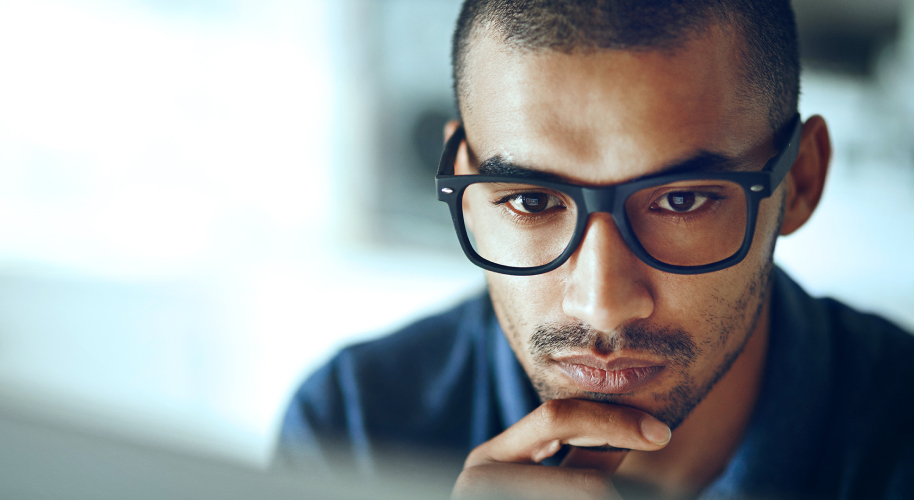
655,431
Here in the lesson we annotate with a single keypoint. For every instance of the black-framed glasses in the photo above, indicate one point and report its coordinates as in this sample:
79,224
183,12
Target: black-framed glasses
685,223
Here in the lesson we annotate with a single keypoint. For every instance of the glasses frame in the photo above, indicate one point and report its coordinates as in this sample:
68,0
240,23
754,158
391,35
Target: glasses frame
611,199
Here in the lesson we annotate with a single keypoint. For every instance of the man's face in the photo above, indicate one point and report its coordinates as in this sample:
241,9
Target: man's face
605,325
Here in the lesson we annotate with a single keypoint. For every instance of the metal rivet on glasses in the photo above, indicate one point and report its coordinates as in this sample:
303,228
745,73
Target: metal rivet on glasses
757,187
447,190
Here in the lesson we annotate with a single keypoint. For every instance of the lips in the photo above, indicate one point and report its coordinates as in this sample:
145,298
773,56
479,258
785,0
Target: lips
616,376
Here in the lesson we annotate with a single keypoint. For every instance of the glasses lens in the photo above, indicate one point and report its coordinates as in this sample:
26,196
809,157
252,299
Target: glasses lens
516,224
689,223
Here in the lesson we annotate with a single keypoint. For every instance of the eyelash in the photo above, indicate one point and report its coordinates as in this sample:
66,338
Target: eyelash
713,199
524,218
679,217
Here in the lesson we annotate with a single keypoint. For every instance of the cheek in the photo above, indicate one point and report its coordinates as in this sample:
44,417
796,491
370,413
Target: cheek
693,303
718,308
768,227
523,302
530,300
723,297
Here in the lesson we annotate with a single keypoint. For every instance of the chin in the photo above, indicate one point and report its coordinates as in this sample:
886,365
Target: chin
670,403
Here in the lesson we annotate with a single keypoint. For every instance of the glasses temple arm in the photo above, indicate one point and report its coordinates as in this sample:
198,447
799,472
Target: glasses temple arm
783,161
446,165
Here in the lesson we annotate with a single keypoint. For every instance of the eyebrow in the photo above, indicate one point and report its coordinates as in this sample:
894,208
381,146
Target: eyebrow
499,166
704,161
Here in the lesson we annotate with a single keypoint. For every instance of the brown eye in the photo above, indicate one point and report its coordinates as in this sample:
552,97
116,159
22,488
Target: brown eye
534,202
680,201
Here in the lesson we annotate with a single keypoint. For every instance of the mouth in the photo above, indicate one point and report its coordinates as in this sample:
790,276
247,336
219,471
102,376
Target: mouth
616,376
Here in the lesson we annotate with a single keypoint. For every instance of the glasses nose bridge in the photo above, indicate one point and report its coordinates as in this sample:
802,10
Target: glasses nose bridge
599,199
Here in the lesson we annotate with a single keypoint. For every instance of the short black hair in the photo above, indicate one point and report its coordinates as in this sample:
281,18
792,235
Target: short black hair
768,29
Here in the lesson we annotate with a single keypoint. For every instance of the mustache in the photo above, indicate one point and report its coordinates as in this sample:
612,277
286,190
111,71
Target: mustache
674,344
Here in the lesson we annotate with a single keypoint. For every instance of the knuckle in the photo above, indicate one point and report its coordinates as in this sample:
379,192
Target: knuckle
552,412
476,457
620,417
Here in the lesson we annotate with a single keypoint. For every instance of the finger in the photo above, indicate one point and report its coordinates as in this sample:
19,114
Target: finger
498,480
575,422
583,458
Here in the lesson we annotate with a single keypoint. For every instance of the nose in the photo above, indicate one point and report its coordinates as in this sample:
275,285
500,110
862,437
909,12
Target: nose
606,287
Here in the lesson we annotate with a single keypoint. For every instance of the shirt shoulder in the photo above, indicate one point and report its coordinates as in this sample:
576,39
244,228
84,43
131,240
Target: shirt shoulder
834,418
411,390
872,436
881,340
873,362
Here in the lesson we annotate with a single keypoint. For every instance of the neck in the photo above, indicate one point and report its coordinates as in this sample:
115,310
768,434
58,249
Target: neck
703,444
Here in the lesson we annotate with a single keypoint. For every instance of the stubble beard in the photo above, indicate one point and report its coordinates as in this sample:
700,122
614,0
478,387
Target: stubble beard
672,343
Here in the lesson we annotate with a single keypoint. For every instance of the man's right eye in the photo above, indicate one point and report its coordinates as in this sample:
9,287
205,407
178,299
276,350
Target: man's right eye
532,203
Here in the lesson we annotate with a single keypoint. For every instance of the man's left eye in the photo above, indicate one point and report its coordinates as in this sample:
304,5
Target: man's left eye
680,201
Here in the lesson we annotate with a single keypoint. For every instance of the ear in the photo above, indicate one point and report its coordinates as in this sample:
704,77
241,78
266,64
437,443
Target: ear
463,161
807,176
449,128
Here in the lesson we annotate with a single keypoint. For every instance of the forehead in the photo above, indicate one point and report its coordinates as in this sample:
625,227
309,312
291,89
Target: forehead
612,115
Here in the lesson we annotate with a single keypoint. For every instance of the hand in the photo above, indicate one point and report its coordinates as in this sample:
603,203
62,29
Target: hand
507,464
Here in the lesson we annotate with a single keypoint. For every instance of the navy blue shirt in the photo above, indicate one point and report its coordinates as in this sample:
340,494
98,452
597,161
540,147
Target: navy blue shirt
834,419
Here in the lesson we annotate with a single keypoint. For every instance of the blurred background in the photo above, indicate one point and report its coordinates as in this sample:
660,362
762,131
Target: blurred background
200,200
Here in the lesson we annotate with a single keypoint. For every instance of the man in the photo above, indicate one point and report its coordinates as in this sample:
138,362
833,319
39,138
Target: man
622,171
